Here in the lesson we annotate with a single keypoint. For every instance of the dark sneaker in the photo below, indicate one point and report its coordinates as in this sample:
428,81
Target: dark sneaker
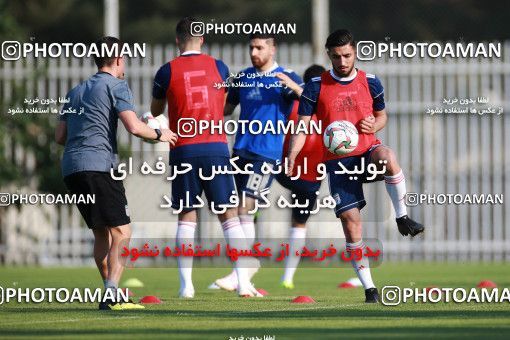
407,226
371,295
104,305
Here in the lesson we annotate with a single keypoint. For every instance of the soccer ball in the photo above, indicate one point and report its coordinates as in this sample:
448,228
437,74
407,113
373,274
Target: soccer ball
159,122
341,137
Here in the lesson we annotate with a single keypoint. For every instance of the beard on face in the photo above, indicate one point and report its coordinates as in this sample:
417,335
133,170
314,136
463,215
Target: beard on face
258,62
344,72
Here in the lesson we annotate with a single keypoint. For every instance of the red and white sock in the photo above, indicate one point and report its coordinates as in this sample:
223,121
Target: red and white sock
361,267
396,187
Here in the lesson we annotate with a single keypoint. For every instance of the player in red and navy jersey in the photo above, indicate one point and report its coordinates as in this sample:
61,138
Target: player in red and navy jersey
187,85
347,93
303,189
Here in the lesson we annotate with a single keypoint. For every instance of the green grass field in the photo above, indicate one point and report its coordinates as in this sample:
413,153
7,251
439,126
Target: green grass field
338,313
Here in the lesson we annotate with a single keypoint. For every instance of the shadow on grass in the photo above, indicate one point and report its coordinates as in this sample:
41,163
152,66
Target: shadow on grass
409,331
370,311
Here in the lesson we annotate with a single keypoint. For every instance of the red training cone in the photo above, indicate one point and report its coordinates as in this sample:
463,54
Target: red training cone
150,299
346,285
487,284
262,291
303,299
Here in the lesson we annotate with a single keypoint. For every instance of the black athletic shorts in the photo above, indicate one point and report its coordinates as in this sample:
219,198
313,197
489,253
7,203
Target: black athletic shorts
110,208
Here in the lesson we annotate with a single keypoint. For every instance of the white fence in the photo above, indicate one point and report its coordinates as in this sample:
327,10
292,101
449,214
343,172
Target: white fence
444,153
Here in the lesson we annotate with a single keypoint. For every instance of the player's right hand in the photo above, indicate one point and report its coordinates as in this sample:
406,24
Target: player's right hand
168,136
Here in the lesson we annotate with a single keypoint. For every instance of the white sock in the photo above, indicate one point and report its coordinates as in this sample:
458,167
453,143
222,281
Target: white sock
297,242
396,187
249,232
361,267
248,228
185,235
235,237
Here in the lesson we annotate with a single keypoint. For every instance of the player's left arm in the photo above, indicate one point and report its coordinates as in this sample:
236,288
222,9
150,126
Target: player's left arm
157,106
377,120
159,88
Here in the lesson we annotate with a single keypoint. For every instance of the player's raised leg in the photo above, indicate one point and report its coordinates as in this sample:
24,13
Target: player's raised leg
396,188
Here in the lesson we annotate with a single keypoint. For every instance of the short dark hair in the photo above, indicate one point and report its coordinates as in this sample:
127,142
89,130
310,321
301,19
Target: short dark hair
103,60
312,72
183,29
264,36
340,37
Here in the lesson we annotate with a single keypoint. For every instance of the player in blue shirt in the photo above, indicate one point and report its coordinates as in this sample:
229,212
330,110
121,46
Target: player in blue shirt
260,100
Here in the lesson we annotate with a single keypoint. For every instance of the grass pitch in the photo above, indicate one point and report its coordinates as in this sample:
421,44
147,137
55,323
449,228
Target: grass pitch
213,314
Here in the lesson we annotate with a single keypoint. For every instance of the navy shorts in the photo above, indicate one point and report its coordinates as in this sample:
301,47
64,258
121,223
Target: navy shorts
301,190
348,193
186,187
255,183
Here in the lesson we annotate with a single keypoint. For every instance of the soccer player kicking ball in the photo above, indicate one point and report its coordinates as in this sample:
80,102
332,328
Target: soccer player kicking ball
266,103
187,85
91,152
346,93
